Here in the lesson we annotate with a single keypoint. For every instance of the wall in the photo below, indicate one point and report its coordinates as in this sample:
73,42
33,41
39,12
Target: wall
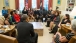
12,4
1,4
61,7
54,4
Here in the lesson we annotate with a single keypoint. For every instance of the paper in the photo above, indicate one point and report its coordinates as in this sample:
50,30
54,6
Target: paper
43,18
2,31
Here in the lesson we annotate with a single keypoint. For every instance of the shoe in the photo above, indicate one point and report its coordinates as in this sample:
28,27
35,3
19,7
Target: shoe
51,32
47,26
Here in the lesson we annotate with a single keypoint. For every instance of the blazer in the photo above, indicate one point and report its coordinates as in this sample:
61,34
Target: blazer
57,20
25,12
17,18
25,32
4,12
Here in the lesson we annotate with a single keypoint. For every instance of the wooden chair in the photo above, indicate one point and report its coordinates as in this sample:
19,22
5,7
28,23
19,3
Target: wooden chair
7,39
72,40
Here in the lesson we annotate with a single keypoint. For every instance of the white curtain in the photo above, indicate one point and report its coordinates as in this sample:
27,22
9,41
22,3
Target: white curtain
45,4
34,3
21,4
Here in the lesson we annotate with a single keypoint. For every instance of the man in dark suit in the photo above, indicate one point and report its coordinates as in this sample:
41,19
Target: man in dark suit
25,31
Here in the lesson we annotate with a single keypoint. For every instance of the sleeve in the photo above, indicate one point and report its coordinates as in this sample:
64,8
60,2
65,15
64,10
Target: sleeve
69,35
52,17
32,31
6,11
62,21
69,21
57,19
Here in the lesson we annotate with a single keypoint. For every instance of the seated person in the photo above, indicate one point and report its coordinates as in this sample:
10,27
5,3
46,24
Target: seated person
37,18
31,17
26,32
12,16
50,10
16,16
4,11
58,38
65,20
25,11
7,20
48,20
55,20
52,15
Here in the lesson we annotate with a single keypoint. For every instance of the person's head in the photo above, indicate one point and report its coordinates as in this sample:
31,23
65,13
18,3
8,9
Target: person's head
7,16
50,8
4,8
24,17
73,25
53,12
67,16
14,12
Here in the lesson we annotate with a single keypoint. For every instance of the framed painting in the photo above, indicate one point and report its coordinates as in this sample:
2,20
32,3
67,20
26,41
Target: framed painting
6,2
58,2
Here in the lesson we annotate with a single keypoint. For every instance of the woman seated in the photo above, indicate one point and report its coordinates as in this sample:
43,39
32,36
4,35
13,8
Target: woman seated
58,38
31,17
55,20
12,16
7,20
16,16
65,20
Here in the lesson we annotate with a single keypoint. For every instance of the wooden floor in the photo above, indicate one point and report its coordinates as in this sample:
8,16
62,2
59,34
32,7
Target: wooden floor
46,38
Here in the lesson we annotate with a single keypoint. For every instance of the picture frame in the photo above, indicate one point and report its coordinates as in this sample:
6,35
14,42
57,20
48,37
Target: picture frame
58,2
6,2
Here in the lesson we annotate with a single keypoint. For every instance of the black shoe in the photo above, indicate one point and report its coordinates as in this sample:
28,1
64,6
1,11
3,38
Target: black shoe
47,26
51,32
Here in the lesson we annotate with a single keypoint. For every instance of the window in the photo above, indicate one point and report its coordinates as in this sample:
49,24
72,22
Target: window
21,4
45,5
34,3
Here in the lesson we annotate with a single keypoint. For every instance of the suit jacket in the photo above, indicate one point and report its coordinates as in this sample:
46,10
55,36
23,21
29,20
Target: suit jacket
25,12
4,12
25,31
57,20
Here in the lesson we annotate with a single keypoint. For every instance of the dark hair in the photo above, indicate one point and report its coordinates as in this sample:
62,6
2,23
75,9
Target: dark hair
24,17
14,11
11,12
3,7
57,13
67,15
6,16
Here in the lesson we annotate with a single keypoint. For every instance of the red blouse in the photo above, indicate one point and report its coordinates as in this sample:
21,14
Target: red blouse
17,18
